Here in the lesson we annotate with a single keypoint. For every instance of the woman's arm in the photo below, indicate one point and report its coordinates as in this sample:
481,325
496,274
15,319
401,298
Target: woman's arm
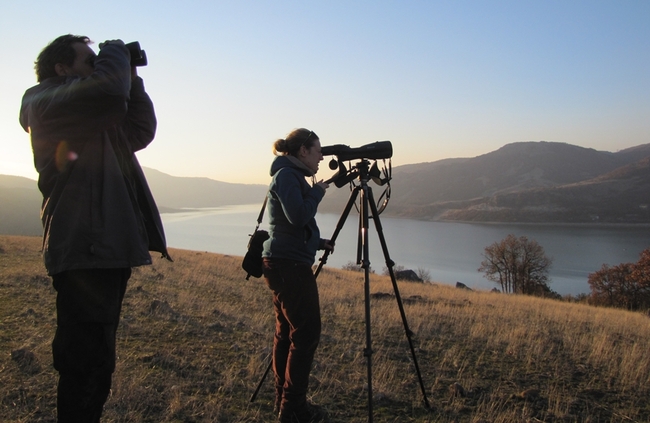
299,208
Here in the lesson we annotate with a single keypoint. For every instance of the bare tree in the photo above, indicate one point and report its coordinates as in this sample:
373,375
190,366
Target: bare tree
641,272
608,285
350,265
424,274
626,285
518,265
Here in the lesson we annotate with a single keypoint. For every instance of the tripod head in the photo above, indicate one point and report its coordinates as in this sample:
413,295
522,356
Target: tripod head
363,170
380,150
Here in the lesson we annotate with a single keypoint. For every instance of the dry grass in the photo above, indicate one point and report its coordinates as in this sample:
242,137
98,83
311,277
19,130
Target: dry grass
195,339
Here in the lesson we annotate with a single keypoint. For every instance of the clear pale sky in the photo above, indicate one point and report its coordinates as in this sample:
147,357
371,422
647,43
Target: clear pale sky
439,79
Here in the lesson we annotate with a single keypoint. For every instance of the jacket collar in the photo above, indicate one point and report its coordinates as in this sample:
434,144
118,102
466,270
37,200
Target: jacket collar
290,161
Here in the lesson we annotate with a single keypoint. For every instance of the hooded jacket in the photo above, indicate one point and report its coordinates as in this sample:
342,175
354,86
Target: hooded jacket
292,205
98,211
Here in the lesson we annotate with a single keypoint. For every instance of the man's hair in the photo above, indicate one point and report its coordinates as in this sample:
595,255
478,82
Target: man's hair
58,51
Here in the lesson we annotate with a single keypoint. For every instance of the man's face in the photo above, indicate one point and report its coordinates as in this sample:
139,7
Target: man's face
84,62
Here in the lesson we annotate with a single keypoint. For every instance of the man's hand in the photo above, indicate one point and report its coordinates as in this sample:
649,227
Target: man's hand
107,42
134,70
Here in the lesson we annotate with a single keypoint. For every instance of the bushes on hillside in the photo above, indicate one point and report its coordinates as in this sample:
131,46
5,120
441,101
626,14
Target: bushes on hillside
626,285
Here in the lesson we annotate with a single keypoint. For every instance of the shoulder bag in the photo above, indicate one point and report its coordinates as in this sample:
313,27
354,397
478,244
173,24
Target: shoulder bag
252,263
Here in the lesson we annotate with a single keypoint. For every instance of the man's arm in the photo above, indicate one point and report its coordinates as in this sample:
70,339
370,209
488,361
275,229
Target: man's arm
91,103
141,120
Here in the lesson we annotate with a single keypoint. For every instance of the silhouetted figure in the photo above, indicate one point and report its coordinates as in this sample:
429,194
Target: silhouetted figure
87,117
289,254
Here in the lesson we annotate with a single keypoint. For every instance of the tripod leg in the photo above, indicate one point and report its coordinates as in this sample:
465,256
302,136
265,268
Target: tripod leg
259,385
365,263
390,264
339,226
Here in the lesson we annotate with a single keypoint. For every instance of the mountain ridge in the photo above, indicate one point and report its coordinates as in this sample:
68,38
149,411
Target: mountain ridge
532,182
529,181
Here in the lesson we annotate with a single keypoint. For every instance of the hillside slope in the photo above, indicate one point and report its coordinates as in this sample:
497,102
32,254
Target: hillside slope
195,339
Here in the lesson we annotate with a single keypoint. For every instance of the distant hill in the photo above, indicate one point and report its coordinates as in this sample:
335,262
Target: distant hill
523,182
183,192
520,182
20,206
21,199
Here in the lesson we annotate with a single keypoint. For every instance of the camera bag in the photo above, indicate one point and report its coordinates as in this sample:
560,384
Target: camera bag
252,262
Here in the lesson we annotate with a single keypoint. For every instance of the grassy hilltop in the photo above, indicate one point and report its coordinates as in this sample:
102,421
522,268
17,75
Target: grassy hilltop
196,336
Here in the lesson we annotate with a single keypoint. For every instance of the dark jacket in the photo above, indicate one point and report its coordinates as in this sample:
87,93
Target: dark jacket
292,205
98,211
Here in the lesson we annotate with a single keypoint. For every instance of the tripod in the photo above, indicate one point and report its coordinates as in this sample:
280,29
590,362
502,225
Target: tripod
367,208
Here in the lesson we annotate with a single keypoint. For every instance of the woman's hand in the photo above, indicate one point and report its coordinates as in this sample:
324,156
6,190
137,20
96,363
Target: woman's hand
329,246
323,185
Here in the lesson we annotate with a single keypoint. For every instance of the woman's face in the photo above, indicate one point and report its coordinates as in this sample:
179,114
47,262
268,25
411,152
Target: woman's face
311,156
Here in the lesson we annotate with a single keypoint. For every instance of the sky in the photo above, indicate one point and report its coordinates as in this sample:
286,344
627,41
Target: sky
439,79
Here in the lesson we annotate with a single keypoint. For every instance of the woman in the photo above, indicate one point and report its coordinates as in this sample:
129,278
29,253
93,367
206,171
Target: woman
288,258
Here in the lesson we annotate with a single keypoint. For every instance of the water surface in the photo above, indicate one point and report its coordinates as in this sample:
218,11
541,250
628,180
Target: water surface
450,252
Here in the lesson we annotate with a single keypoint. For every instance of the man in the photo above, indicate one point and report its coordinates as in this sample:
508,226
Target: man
87,117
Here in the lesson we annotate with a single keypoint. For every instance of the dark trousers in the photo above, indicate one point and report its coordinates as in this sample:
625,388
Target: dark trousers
88,306
297,328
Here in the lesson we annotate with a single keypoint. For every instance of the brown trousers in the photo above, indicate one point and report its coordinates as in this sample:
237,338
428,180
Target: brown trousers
297,328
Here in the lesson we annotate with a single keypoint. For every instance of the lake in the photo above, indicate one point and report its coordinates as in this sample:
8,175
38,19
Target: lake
450,252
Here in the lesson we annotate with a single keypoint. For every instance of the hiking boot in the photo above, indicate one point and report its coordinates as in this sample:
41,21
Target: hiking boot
309,413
